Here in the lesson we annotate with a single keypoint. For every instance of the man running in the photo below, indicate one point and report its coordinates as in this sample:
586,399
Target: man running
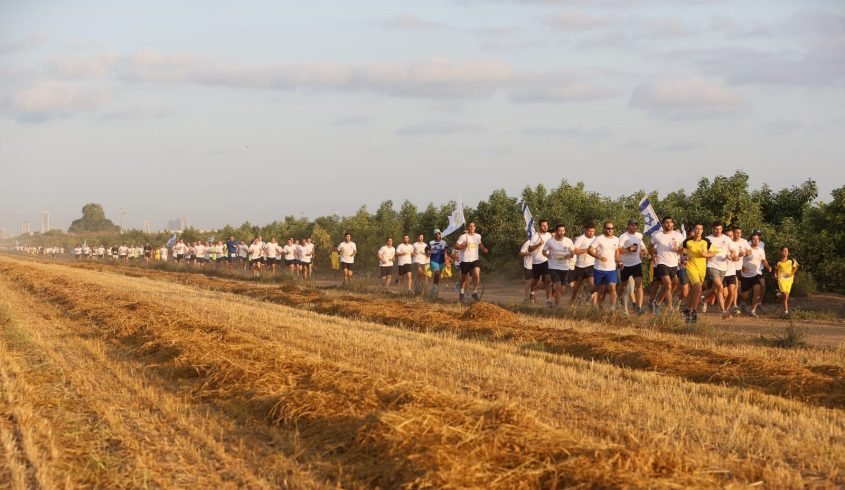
271,250
558,249
539,262
231,251
717,268
667,246
420,260
698,250
306,256
741,248
405,263
290,256
605,249
386,254
632,249
437,251
752,273
585,262
256,251
347,251
468,246
786,269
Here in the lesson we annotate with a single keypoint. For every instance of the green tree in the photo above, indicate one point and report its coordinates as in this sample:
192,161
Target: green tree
93,220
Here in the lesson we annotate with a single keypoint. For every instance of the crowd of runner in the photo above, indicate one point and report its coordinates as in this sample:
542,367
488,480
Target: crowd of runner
690,273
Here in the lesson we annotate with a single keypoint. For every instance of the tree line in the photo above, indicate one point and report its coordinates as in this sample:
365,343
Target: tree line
814,231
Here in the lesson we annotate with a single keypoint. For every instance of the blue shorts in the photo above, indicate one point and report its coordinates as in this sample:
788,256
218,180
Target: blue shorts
608,277
435,266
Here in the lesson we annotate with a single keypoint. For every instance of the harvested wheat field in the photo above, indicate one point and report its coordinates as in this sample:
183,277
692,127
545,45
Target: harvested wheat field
122,379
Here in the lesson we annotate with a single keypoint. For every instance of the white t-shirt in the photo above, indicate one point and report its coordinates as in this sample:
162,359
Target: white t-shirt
730,264
741,246
720,246
290,252
199,250
162,253
404,248
665,244
306,252
270,250
753,264
537,256
559,252
122,251
470,253
179,249
346,250
606,247
243,250
585,259
386,255
526,260
255,251
628,240
419,253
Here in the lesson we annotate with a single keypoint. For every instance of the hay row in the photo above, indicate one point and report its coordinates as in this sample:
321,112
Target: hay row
354,428
822,385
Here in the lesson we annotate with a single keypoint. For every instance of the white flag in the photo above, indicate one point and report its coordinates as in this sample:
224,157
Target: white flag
651,223
456,219
529,221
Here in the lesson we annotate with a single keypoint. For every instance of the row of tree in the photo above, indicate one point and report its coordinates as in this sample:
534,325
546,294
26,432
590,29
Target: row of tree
814,231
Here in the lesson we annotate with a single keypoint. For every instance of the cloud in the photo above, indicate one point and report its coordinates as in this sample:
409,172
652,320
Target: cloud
551,91
412,22
690,97
578,21
353,120
49,99
136,112
22,44
437,128
570,132
83,66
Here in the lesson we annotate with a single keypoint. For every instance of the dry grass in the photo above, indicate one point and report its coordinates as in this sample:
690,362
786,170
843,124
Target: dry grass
335,382
821,384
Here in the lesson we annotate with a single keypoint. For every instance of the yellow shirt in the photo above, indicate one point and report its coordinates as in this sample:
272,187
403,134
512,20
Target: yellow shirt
786,269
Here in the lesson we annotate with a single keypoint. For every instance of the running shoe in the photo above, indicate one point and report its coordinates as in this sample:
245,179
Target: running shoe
531,297
462,298
703,305
475,296
640,311
694,317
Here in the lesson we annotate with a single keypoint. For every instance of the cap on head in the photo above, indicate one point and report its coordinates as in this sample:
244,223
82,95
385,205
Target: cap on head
437,231
633,221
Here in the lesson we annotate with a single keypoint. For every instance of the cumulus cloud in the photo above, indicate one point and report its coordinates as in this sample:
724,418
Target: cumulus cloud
412,22
437,128
51,99
689,97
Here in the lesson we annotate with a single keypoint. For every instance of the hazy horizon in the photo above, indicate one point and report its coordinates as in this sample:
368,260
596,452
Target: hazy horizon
224,114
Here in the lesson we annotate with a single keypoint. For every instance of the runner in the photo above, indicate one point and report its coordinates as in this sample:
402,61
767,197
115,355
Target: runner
666,246
256,251
558,249
752,273
539,262
717,268
468,246
290,256
148,252
199,254
742,248
605,249
162,253
698,250
77,252
306,255
347,251
786,269
437,251
585,262
526,269
420,261
179,251
243,254
271,251
123,253
405,262
231,251
631,243
386,254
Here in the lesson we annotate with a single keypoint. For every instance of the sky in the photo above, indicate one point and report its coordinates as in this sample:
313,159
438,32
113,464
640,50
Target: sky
223,112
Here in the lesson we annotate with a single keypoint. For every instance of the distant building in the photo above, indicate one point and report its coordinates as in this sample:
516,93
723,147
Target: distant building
146,226
177,224
3,234
26,228
45,221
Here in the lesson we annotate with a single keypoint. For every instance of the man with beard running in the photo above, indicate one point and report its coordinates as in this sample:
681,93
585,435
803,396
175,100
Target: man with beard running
539,262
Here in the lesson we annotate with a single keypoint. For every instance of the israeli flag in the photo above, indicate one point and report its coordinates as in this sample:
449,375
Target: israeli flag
210,239
651,223
456,219
529,221
172,240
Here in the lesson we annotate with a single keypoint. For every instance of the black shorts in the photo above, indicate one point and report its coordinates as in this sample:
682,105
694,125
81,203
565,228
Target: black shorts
750,282
582,273
467,267
148,254
305,264
406,269
683,277
526,273
289,262
179,257
631,271
540,270
344,265
254,261
730,280
385,270
558,276
663,270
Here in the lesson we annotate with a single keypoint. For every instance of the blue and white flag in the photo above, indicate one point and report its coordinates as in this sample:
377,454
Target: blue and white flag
529,221
456,219
651,223
172,240
210,239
